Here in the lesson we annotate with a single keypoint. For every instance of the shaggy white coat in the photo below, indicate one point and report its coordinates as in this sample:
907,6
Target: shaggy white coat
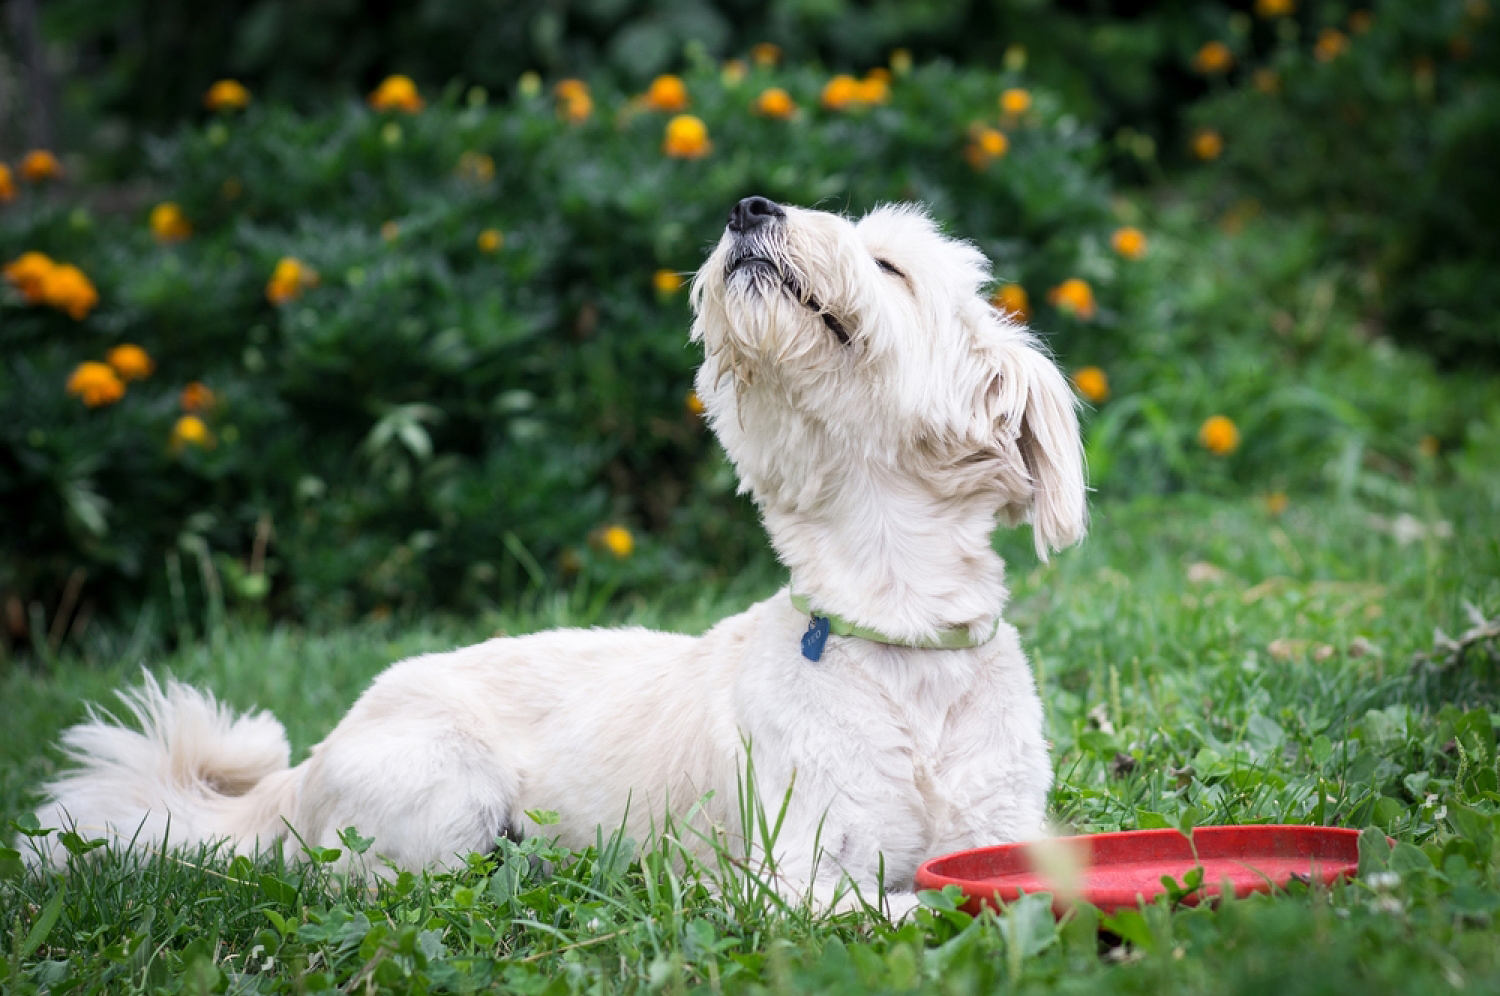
880,466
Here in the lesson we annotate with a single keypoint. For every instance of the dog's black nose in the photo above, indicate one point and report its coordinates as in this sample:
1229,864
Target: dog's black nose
752,212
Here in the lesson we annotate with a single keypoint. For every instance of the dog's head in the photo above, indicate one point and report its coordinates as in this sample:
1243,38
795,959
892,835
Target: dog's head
845,355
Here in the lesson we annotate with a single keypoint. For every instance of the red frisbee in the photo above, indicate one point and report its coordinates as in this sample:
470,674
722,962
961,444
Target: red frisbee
1115,870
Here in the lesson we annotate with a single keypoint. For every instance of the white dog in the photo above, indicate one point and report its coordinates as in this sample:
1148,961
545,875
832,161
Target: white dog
883,416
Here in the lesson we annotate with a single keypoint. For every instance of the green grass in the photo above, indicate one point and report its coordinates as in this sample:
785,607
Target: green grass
1203,662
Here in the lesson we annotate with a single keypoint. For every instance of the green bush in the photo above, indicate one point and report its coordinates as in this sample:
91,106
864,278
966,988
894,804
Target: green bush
427,422
1386,122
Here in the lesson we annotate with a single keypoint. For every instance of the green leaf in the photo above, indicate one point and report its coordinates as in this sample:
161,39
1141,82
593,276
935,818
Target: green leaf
1374,852
11,865
277,890
1147,820
351,839
543,817
44,924
77,846
26,824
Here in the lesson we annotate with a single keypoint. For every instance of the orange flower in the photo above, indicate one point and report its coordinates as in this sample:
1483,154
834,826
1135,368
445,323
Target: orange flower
1011,299
1266,80
667,93
686,138
840,92
1429,446
1092,383
1015,102
169,224
775,103
196,397
490,240
475,167
765,54
1213,58
226,95
985,146
96,384
618,541
666,282
130,361
1129,242
1361,21
733,73
694,404
1075,297
574,102
38,165
67,289
1219,435
873,90
390,231
1207,144
290,278
1275,8
28,274
7,185
190,430
397,93
1330,45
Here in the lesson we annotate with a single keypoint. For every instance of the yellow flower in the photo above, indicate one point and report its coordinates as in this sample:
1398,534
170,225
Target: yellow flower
289,279
130,361
574,102
840,92
686,138
1276,502
226,95
775,102
1015,102
667,93
397,93
7,184
190,430
765,54
490,240
1075,297
873,89
196,397
1219,435
476,167
618,541
901,62
1361,21
96,384
28,273
38,165
1092,383
1275,8
666,282
67,289
169,224
1330,45
1011,299
694,404
733,73
985,145
1213,58
1129,242
1266,80
1207,144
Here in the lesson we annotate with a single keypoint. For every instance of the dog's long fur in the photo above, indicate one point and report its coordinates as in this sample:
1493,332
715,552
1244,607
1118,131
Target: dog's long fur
884,417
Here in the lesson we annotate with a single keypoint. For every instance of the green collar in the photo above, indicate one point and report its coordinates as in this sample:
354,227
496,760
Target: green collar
952,638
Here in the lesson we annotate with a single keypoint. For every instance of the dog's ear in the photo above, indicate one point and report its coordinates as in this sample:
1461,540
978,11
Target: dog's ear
1032,423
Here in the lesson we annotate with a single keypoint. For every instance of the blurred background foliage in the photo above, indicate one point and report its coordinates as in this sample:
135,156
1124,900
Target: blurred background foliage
436,355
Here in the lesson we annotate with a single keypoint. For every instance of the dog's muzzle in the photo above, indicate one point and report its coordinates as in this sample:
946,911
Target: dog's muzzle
754,221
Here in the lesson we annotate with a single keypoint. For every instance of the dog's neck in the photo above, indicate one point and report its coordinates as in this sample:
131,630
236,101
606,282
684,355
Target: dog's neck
893,558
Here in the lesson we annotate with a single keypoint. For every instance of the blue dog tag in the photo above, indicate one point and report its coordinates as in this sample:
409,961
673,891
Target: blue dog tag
815,637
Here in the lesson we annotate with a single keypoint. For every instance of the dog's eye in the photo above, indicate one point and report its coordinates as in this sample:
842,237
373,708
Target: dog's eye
889,267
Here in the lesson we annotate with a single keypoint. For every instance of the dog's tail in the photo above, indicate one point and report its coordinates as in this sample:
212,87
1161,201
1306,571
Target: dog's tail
193,772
